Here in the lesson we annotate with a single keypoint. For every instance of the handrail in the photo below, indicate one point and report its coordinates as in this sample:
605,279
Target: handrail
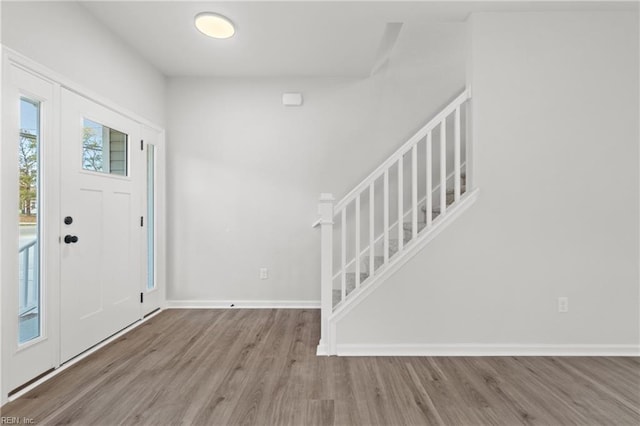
27,310
23,250
432,124
27,245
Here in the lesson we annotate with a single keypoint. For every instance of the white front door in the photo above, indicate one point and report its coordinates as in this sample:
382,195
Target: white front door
102,184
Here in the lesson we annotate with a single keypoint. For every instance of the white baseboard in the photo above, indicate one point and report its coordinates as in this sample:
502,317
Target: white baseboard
243,304
484,350
321,350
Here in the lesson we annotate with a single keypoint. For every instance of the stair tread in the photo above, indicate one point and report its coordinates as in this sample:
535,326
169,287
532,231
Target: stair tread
450,199
350,285
336,297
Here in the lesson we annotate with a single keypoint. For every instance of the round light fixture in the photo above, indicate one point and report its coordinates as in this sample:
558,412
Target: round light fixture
214,25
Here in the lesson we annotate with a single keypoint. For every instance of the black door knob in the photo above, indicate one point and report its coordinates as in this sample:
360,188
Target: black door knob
68,239
68,220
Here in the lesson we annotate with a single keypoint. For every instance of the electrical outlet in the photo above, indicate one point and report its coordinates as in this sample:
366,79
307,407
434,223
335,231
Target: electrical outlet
563,304
264,273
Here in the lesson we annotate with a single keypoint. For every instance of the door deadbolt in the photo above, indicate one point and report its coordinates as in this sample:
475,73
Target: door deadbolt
68,220
68,239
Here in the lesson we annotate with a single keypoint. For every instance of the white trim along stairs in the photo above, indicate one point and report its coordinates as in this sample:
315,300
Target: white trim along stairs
393,213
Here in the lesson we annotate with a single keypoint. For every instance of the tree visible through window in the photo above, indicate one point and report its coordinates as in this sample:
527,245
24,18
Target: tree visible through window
28,165
92,147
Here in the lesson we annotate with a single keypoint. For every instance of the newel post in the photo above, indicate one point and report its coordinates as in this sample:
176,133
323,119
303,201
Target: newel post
325,210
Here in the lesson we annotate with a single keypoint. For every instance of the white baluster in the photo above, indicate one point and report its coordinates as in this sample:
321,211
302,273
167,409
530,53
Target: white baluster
400,204
429,177
325,210
443,166
456,156
386,215
357,255
343,254
414,192
372,236
468,144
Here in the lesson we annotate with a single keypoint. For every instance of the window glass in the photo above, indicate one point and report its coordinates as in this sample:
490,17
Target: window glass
151,282
104,149
29,298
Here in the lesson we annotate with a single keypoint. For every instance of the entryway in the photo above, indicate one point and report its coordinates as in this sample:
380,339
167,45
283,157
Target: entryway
86,189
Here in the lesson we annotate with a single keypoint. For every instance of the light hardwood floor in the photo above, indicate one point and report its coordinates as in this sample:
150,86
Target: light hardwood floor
258,367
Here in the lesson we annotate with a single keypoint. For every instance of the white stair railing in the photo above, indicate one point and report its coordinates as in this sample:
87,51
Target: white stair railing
28,255
385,247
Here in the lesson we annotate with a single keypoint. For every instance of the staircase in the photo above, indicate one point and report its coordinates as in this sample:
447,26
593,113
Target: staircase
378,261
392,214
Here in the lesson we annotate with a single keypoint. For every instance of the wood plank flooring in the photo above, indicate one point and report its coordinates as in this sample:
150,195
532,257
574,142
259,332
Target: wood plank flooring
258,367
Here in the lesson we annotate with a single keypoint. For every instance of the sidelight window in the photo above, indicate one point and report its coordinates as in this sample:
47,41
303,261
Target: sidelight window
151,176
29,299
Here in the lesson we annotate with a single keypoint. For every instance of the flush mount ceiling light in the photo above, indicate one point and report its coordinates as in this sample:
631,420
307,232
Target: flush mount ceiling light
214,25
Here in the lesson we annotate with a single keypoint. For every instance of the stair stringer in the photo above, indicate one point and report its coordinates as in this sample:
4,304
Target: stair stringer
383,273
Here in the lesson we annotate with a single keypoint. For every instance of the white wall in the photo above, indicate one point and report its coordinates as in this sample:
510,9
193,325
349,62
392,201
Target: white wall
65,37
556,128
245,172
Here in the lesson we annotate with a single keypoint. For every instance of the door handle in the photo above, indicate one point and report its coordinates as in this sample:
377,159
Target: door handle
68,239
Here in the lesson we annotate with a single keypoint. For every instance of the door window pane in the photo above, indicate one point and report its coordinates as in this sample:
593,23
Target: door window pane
104,149
29,312
151,174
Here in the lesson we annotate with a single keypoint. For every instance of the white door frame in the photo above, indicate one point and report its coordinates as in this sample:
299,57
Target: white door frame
154,298
9,180
38,355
